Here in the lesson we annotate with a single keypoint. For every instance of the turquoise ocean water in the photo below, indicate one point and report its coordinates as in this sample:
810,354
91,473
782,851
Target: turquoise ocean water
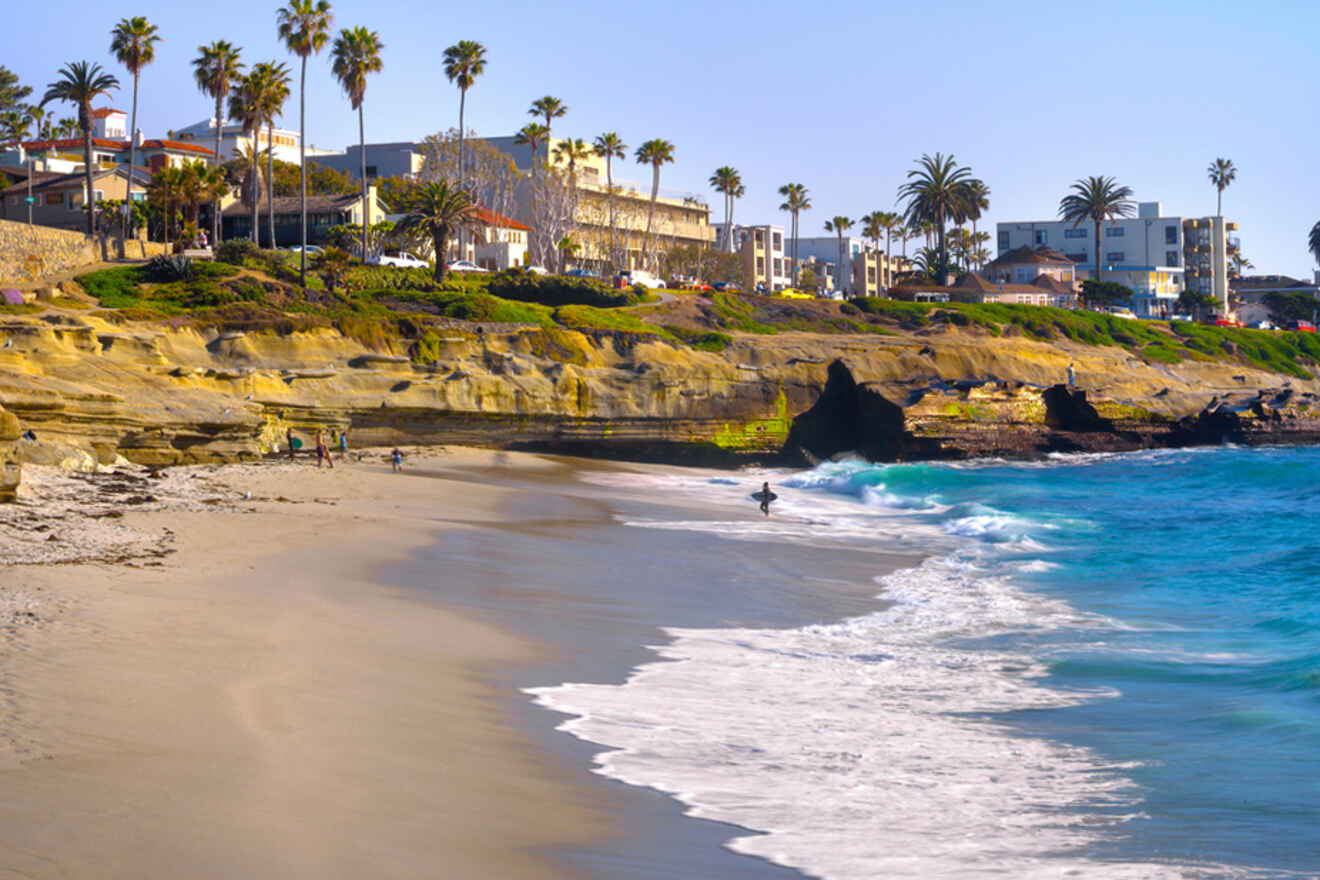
1107,665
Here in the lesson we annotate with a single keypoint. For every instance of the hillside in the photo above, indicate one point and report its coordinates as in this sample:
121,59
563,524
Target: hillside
218,364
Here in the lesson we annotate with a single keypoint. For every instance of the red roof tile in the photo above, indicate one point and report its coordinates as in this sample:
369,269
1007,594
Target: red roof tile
159,144
103,112
489,218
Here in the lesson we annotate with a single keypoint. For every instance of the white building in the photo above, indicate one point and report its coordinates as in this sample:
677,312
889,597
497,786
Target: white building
233,141
826,250
1157,256
763,252
109,123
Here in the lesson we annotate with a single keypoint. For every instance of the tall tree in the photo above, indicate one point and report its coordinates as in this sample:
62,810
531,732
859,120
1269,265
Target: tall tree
215,70
245,109
936,190
843,277
1221,173
81,83
571,151
304,26
727,181
978,200
13,95
356,53
133,42
464,62
273,78
549,108
609,146
655,152
437,209
1096,199
796,200
166,191
1313,241
40,117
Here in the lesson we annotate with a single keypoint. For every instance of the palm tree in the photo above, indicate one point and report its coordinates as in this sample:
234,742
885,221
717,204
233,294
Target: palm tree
843,277
438,210
215,69
165,191
273,78
533,134
81,83
464,62
936,191
1096,199
40,121
1221,173
304,26
727,181
549,107
133,41
571,152
1313,241
978,200
655,152
356,53
245,108
609,146
66,127
796,200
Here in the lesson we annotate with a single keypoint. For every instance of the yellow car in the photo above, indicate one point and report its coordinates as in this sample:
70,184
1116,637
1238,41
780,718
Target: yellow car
791,293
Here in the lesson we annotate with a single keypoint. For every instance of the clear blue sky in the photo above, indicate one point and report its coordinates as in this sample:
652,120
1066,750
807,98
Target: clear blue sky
841,97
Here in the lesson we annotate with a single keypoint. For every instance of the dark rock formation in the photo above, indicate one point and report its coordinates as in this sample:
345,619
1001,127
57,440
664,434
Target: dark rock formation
850,417
1066,409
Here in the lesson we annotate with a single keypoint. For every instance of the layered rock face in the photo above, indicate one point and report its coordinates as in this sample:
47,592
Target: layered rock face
9,465
162,394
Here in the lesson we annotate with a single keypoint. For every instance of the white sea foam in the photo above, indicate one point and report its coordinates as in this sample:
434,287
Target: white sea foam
869,748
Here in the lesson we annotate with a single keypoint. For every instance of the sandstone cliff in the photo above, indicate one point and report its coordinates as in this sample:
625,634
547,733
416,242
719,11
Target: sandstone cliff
93,387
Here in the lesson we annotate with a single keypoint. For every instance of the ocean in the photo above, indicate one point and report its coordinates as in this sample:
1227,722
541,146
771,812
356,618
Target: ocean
1094,666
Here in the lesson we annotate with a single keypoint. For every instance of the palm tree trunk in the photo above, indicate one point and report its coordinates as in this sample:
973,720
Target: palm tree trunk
270,178
462,171
609,194
219,130
440,241
362,154
256,193
650,212
944,258
795,249
87,167
302,175
132,163
1097,251
1219,211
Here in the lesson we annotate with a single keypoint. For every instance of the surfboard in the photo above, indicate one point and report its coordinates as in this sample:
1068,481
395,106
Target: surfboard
761,495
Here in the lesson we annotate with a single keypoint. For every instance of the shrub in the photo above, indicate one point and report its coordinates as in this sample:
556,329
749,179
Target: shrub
173,268
701,340
236,251
521,285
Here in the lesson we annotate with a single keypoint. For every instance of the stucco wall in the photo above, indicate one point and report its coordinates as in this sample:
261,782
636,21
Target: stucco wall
30,253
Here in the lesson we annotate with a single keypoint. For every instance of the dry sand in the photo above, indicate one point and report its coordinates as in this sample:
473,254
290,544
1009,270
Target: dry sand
228,693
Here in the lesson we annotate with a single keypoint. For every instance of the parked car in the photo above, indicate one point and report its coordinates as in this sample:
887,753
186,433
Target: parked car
401,259
1302,326
646,279
537,270
1227,321
581,273
725,286
465,266
1263,325
312,249
1121,312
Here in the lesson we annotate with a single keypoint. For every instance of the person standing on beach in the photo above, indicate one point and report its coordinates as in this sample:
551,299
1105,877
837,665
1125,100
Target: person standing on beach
323,451
288,437
396,460
1072,376
343,444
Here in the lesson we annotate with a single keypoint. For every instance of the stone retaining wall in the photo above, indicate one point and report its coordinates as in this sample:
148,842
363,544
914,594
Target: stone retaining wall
29,253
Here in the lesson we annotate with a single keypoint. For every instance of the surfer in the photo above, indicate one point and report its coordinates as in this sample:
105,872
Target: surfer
765,496
293,447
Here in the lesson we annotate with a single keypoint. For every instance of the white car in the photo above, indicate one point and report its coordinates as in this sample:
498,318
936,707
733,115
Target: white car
313,250
400,259
537,270
465,266
646,279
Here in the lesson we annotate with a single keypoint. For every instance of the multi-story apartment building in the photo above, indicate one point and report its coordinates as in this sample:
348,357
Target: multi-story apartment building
233,141
680,218
399,159
1148,253
765,265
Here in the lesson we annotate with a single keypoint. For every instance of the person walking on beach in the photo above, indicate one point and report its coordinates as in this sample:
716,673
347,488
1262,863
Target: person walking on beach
396,460
288,437
765,496
343,444
1072,376
323,451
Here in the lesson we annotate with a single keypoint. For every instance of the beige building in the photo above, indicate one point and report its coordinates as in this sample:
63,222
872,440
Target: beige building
680,218
58,200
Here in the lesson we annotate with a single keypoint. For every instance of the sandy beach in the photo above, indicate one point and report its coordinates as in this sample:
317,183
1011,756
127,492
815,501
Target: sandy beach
237,695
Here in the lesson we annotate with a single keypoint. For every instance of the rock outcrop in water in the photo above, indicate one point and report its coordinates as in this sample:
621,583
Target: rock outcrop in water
10,472
162,393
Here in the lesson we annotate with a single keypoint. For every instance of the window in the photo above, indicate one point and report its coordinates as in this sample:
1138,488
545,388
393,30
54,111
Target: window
1079,258
1114,257
779,267
1003,241
1170,258
778,241
870,274
13,200
1041,237
760,239
1114,231
1171,237
371,171
1075,232
54,198
760,265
